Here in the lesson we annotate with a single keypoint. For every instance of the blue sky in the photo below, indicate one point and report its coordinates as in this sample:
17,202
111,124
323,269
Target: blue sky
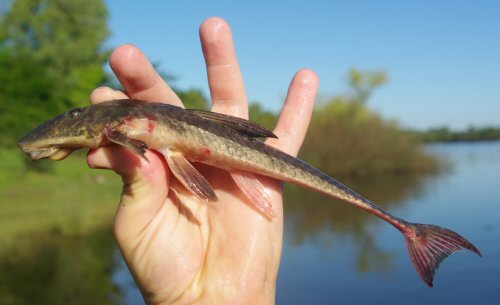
442,57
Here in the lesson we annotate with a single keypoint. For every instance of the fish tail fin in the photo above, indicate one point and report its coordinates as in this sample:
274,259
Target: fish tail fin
429,245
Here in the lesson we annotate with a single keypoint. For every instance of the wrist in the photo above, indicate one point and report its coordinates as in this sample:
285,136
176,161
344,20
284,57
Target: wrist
225,295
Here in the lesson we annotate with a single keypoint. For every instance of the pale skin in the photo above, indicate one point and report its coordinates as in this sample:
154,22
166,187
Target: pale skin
181,250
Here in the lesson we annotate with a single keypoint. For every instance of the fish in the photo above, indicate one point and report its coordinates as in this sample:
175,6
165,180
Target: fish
187,136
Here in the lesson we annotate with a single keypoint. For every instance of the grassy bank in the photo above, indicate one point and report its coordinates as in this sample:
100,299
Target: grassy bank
71,198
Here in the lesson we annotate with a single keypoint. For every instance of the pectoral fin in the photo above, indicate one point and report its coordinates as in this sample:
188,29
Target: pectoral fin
188,175
255,192
137,146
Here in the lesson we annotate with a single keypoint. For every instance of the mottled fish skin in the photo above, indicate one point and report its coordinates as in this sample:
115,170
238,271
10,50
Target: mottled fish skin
225,142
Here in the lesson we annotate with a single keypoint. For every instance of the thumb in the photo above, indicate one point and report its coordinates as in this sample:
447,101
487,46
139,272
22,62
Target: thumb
145,188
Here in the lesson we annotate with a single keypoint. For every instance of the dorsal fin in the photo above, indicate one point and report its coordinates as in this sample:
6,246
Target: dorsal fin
240,125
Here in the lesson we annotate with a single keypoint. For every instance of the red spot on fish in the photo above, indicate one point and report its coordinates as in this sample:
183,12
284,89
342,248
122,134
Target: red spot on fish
151,122
205,154
151,126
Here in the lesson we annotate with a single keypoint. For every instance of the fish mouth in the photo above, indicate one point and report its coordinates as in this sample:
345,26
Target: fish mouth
53,152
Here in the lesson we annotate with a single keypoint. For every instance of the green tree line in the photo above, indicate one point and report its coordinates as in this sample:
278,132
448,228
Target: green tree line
445,134
51,57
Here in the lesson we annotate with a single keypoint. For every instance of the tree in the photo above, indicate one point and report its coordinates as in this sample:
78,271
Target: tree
347,138
51,57
64,35
362,84
25,92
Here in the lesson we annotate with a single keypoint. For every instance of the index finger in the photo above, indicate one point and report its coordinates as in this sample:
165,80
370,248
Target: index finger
139,78
103,94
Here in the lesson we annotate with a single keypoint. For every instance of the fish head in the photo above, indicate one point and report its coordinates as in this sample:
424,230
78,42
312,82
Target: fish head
58,137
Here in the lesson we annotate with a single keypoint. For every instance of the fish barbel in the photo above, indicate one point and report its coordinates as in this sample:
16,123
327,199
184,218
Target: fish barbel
183,136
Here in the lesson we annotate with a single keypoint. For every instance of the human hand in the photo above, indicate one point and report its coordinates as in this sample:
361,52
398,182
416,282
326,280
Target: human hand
181,250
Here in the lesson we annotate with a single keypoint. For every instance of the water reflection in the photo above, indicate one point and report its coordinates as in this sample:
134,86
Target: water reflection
311,216
465,199
47,268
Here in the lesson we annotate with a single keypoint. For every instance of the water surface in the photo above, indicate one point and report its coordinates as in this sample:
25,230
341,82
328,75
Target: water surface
333,255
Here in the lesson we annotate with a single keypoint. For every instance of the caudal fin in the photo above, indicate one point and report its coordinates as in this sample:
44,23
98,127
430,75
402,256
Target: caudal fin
429,245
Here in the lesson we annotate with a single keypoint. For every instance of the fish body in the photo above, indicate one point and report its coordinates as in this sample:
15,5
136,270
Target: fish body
185,136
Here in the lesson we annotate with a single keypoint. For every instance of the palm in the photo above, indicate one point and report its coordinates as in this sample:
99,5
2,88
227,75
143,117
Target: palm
190,247
181,250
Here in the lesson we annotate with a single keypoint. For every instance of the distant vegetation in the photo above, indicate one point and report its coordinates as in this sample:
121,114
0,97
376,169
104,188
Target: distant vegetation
349,139
51,57
444,134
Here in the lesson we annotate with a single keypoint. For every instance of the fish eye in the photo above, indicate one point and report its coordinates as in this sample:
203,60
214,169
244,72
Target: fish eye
73,113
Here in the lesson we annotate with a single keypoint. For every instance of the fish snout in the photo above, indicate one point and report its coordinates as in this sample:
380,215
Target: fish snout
24,145
54,153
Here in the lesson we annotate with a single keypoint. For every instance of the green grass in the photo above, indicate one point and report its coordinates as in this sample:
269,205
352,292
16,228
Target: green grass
71,198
